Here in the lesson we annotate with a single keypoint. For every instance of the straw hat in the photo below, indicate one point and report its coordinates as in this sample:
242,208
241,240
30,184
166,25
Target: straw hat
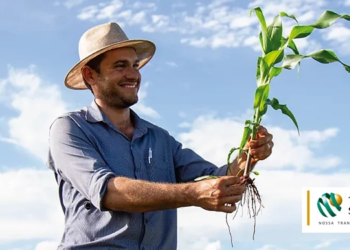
100,39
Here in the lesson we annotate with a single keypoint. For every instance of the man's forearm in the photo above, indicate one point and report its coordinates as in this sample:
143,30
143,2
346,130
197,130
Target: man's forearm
137,196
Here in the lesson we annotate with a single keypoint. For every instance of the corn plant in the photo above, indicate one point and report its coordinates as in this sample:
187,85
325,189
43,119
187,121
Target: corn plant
273,46
269,65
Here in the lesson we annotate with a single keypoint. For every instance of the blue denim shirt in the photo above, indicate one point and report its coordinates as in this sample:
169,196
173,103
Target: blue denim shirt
86,150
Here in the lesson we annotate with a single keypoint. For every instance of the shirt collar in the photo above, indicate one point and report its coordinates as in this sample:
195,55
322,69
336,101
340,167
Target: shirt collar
94,114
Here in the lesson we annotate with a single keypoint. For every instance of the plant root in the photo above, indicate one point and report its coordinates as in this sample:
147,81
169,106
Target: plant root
252,197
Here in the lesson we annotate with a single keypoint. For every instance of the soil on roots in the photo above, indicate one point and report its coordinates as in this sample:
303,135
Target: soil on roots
252,198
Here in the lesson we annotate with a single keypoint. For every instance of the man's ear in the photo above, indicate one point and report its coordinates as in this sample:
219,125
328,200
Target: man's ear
89,75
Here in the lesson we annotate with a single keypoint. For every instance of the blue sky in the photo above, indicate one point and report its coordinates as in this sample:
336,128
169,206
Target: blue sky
199,86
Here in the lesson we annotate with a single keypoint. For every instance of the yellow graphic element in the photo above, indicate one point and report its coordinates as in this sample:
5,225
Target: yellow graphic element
338,199
308,207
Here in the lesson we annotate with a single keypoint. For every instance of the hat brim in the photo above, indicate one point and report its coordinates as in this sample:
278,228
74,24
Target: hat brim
144,51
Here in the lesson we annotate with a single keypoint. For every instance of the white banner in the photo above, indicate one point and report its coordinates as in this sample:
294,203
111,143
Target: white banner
326,210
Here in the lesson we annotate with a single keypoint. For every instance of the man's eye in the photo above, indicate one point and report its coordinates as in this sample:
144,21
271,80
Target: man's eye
136,65
120,66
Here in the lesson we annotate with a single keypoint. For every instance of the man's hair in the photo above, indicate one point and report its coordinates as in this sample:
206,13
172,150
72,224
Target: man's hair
94,64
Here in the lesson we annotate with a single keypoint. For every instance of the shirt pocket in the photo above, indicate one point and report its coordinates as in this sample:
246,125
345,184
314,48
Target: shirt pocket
158,170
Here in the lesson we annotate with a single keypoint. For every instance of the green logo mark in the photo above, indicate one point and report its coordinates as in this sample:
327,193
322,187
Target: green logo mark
328,200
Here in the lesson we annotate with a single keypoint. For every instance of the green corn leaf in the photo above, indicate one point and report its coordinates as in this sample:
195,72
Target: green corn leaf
290,61
327,19
246,133
230,153
274,71
290,16
261,42
258,69
274,103
322,56
272,57
263,71
300,32
274,32
266,46
290,45
205,177
255,172
293,47
261,95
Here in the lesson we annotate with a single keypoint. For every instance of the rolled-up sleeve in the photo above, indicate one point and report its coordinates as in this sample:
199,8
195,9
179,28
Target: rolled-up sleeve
74,158
189,165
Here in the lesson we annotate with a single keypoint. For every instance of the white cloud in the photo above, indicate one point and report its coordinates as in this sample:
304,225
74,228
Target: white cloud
71,3
178,5
2,87
118,11
213,246
339,33
88,13
268,247
47,245
308,16
218,3
138,18
339,36
347,2
217,24
252,41
37,104
142,5
29,207
199,43
109,11
224,132
185,125
8,140
324,244
172,64
200,243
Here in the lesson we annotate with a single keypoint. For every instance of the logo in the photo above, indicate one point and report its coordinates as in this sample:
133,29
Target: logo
326,210
327,202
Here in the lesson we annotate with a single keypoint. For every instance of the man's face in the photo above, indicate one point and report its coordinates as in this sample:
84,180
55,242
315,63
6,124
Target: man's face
119,78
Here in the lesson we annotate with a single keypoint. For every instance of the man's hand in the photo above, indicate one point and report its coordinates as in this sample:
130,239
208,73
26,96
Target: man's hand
261,148
219,194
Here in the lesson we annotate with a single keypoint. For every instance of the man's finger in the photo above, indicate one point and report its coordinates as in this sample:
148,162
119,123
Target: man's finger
229,180
230,199
227,208
235,190
262,130
261,141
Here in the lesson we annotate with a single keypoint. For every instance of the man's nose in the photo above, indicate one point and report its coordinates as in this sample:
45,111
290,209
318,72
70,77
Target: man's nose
133,73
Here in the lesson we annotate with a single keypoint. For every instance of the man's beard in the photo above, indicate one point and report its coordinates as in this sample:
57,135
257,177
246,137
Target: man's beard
112,97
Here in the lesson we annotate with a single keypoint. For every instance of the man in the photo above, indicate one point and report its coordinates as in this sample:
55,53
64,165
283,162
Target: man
120,177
